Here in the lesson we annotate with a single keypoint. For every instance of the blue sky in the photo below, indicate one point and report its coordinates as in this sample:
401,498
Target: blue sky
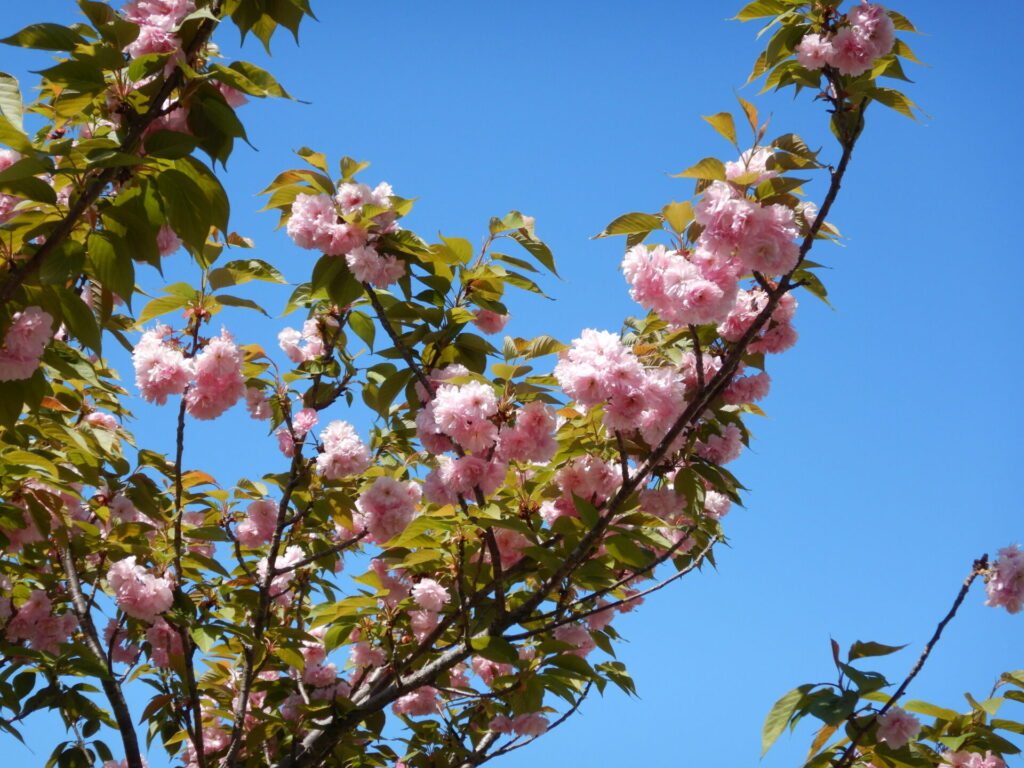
890,455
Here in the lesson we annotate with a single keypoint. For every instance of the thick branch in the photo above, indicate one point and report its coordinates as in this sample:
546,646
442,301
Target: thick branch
111,687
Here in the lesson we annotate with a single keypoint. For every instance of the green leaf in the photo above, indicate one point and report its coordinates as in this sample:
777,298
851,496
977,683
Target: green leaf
901,22
169,144
363,326
112,27
709,168
924,708
511,220
260,78
678,215
14,137
78,318
903,50
761,9
185,206
723,123
107,259
588,512
1008,725
894,100
460,247
317,159
19,179
242,271
627,551
147,65
632,223
861,650
750,111
161,306
540,346
235,301
616,672
350,167
48,37
205,638
26,459
779,716
535,248
11,105
496,649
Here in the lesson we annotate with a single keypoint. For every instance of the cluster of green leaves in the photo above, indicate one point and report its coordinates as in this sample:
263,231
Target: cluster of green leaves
849,709
100,177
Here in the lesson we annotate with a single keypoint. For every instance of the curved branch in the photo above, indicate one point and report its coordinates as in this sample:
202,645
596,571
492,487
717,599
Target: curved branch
97,181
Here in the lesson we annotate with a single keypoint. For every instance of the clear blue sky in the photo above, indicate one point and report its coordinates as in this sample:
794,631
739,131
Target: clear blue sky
891,454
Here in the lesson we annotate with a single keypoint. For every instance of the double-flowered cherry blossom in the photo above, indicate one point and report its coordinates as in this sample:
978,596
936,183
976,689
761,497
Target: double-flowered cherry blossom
24,341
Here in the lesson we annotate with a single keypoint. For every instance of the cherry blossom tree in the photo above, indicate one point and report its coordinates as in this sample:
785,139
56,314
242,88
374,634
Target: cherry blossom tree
449,575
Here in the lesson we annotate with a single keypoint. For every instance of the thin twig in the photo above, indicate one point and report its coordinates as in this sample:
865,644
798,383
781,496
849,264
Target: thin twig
850,753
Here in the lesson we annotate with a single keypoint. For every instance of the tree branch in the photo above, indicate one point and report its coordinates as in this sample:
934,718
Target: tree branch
97,181
112,689
850,753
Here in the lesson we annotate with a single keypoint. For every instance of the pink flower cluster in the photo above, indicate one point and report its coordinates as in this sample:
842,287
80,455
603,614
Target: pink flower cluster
259,524
532,438
676,287
529,724
352,196
167,240
138,592
464,413
344,453
257,404
121,651
164,641
319,223
742,235
589,477
422,701
599,369
157,20
219,383
489,321
317,672
739,235
723,447
161,370
965,759
463,477
305,345
853,50
897,727
1005,585
777,335
314,225
752,162
24,342
280,584
386,508
378,270
35,624
430,595
8,157
464,417
577,636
